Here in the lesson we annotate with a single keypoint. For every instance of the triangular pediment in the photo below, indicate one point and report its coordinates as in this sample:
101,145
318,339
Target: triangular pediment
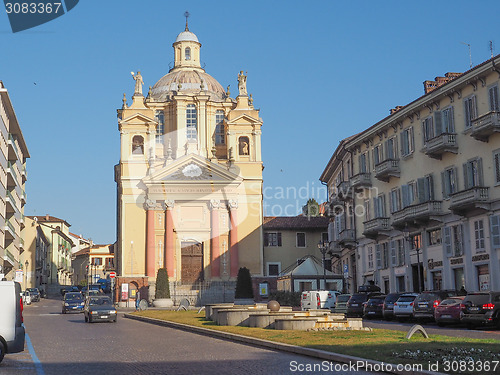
193,169
244,119
137,117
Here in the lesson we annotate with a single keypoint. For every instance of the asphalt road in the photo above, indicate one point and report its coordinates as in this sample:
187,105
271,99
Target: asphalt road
433,329
65,344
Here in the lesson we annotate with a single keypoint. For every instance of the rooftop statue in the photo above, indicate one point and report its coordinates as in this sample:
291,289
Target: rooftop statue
242,83
138,83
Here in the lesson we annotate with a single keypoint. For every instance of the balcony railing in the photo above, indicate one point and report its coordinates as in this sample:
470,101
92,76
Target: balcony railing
486,125
475,197
361,180
421,211
344,190
11,170
10,257
335,248
347,238
24,173
437,146
376,226
387,169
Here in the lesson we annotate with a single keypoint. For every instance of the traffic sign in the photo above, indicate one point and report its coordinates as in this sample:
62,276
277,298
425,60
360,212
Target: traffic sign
112,274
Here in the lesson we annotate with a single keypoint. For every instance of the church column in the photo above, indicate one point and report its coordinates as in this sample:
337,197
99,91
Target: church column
169,238
202,126
150,238
233,237
215,245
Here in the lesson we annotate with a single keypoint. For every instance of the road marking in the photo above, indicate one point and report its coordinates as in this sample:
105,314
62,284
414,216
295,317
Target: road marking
36,361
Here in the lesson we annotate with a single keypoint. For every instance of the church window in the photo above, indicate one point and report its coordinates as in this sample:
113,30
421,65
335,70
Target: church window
160,130
187,53
244,146
220,137
191,122
138,145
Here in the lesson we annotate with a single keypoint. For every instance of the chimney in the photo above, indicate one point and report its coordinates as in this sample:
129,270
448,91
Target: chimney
439,81
397,108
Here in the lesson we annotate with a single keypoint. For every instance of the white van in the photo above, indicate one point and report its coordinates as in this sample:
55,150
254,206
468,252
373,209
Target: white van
11,318
318,299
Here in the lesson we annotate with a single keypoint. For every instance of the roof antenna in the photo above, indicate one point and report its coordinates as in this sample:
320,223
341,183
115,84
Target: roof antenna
186,14
491,48
470,54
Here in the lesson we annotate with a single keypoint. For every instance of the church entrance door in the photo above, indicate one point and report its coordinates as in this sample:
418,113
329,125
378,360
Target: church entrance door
191,262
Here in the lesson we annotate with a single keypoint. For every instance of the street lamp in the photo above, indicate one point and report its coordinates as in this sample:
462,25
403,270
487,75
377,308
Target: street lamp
415,242
323,247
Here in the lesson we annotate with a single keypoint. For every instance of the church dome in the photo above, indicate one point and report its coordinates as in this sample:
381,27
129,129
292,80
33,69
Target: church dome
191,82
188,36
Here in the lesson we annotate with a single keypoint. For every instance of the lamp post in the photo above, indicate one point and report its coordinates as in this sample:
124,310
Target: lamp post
323,247
415,241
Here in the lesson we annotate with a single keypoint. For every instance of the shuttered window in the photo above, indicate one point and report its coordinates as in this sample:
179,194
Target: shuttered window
428,128
496,165
479,235
272,239
392,245
470,110
378,256
495,231
448,123
473,173
449,181
407,141
493,96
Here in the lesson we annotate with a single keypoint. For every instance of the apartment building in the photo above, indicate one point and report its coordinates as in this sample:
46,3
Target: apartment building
415,198
13,155
95,260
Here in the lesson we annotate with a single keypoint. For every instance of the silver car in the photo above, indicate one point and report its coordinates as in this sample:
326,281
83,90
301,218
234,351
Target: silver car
403,307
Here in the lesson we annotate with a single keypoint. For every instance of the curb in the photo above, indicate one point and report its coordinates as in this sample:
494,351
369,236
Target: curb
315,353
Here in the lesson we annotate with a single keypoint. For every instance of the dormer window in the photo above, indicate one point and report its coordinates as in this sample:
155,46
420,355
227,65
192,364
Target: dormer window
187,53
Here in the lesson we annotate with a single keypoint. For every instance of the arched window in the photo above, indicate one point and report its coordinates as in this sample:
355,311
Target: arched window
191,122
220,137
138,145
244,146
187,53
160,130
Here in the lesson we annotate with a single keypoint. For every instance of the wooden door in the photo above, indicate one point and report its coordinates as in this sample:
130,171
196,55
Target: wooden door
191,262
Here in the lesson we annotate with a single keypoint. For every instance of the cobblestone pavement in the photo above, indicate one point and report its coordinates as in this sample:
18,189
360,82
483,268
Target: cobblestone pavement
65,344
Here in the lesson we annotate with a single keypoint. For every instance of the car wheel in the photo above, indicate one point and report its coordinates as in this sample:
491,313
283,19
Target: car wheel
2,351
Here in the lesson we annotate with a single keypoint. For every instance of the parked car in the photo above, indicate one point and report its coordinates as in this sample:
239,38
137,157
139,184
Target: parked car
341,304
426,302
369,288
99,308
318,299
35,294
355,303
12,332
403,307
448,311
388,307
73,301
26,297
373,307
481,309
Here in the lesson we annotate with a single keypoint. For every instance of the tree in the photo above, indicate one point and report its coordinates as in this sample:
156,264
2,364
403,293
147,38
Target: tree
243,284
311,208
162,286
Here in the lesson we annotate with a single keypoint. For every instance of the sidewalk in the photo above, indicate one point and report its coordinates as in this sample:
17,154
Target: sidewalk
315,353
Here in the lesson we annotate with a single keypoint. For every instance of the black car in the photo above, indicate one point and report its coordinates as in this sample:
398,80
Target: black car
481,309
341,304
356,303
423,307
35,294
69,289
72,302
388,307
99,308
373,307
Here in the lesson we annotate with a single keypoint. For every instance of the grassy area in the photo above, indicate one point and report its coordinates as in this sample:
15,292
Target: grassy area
382,345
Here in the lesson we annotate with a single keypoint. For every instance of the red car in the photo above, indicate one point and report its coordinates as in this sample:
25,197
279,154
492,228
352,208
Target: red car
448,311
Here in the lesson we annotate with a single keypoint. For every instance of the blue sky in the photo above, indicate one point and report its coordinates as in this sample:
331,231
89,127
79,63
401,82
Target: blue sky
318,70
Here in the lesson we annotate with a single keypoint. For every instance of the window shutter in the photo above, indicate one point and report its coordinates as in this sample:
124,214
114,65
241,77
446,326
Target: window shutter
474,108
421,190
279,238
377,256
429,188
454,180
393,253
411,140
382,205
445,185
438,123
266,239
405,195
403,141
495,231
496,161
480,172
460,243
448,249
493,98
466,176
451,124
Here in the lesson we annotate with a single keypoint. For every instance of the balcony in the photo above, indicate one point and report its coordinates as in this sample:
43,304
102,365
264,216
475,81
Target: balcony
24,173
23,197
10,231
335,205
387,169
13,150
335,249
486,125
376,227
11,174
21,243
421,212
347,238
437,146
344,191
466,200
361,180
11,203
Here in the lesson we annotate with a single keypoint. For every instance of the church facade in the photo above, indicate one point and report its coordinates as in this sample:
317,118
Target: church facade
189,180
